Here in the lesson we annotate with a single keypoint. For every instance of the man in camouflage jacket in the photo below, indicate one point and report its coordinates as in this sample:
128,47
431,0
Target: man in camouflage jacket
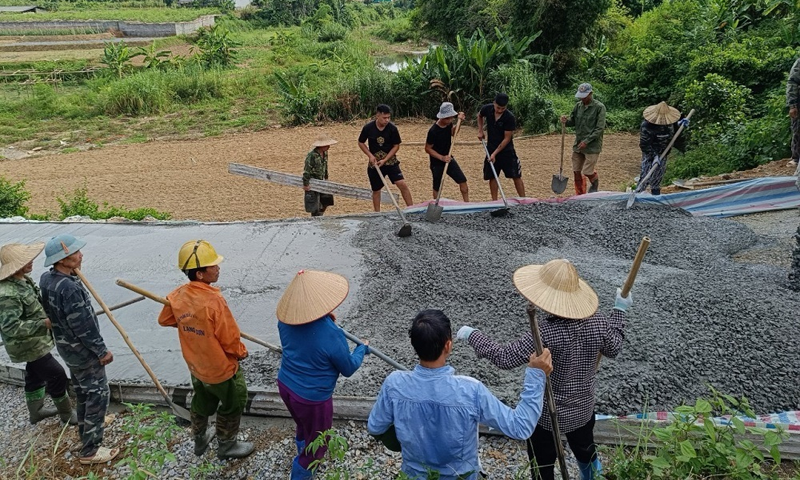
793,102
77,334
316,166
25,330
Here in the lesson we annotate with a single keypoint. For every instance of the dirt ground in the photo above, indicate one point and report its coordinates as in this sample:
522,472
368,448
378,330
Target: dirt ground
189,179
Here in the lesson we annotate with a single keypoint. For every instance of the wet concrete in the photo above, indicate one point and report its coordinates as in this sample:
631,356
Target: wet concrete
260,260
700,317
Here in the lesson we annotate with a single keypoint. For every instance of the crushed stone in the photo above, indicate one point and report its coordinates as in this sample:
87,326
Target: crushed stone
700,318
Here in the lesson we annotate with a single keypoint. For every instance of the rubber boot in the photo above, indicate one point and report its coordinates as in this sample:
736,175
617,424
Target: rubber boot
655,191
595,182
35,402
229,447
301,445
65,410
590,471
202,434
300,473
580,186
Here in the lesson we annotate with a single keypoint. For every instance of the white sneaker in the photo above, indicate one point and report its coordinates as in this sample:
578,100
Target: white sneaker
791,163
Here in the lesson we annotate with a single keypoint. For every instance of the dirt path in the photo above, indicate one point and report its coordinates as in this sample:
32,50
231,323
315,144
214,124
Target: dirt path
189,178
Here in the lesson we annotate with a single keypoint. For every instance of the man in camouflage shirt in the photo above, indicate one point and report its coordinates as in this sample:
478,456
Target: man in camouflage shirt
316,166
589,119
77,334
793,102
25,329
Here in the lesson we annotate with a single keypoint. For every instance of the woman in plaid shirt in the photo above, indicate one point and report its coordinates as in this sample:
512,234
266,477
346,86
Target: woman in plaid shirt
576,334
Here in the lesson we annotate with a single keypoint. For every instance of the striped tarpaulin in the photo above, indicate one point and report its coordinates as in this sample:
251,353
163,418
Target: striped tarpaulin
749,196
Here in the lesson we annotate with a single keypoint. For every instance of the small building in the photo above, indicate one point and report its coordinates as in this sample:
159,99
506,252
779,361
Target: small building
21,9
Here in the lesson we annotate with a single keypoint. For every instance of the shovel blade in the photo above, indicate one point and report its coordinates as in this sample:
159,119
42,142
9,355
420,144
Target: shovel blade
405,230
559,183
499,213
631,198
434,213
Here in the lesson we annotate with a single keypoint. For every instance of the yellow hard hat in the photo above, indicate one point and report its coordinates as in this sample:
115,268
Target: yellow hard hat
197,254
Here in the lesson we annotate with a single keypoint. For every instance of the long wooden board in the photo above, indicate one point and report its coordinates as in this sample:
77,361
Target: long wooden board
321,186
265,403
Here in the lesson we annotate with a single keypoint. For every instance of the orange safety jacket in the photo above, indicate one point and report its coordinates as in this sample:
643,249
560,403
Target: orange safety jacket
210,338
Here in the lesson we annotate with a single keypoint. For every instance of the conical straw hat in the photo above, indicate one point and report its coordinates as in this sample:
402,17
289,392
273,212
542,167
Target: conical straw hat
661,114
311,295
556,288
14,256
323,140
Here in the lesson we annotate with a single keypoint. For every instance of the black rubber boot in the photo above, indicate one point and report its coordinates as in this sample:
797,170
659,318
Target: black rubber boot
35,402
202,434
594,185
229,447
65,410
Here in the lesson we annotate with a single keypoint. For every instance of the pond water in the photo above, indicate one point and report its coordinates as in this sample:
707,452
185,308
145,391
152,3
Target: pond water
395,63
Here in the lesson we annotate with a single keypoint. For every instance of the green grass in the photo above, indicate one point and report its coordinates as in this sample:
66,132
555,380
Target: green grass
147,15
244,98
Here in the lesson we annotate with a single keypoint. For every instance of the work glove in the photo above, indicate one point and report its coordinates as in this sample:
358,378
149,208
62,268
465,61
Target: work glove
623,303
684,122
464,333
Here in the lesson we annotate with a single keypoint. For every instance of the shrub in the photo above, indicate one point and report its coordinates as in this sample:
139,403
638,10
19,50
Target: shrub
79,203
525,88
216,48
686,449
13,197
331,32
143,93
722,103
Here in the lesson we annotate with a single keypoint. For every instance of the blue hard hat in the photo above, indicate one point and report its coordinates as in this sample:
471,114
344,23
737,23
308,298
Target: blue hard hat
60,247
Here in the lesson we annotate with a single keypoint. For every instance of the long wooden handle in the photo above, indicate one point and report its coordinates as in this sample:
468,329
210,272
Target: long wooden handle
563,134
164,301
124,336
449,153
374,351
551,400
637,262
626,287
675,137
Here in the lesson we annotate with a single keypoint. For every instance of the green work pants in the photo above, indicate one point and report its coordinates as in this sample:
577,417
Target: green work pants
230,396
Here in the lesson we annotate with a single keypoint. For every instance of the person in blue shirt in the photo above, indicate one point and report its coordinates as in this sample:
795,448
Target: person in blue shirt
315,352
434,413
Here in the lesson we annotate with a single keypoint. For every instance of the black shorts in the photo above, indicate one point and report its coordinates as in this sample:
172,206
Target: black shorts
391,171
509,166
453,171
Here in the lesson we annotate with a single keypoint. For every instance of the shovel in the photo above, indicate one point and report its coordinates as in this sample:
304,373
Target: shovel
434,212
405,230
501,212
274,348
549,397
641,186
177,410
626,287
559,182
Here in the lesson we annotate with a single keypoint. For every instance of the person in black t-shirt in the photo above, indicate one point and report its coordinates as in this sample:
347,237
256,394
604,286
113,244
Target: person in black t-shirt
500,126
437,145
380,141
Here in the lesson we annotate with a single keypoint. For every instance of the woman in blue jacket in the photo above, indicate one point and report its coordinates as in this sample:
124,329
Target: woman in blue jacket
315,352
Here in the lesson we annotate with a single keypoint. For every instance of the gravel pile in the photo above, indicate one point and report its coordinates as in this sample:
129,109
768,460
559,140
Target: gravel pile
794,274
699,317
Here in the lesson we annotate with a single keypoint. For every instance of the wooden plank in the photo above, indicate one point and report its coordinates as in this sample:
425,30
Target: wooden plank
265,403
321,186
